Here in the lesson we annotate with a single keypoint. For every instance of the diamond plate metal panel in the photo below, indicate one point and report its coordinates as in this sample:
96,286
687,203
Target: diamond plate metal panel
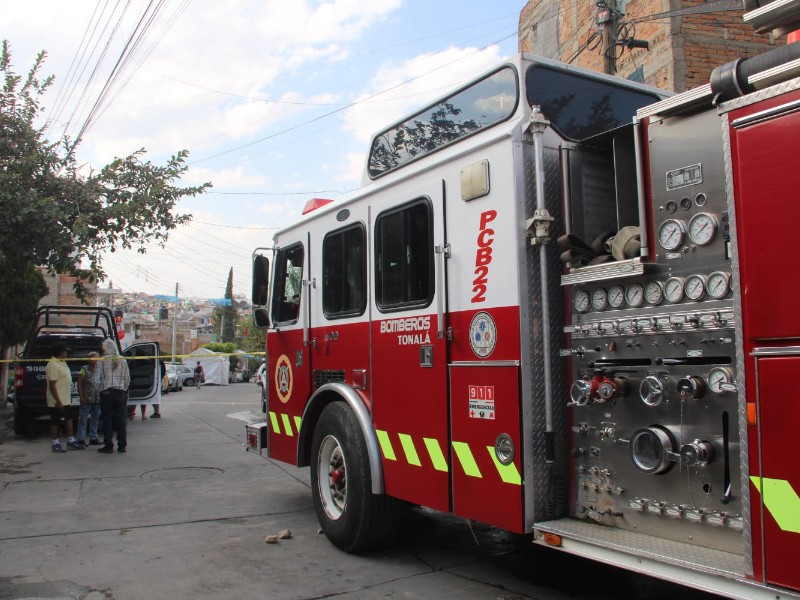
738,337
546,484
637,544
770,92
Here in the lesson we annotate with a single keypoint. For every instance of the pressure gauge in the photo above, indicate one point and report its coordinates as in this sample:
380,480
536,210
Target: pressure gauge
671,234
695,287
673,290
599,299
703,229
634,295
720,378
616,296
582,301
654,292
719,284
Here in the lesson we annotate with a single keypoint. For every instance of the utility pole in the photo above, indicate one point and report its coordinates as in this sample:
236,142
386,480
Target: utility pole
607,17
174,322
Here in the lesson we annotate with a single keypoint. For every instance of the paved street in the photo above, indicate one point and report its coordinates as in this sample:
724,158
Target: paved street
185,513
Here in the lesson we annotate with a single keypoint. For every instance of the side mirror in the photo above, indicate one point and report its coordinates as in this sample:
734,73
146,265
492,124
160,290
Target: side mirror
260,280
260,317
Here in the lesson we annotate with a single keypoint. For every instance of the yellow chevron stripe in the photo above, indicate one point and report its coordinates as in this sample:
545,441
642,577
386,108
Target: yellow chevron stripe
408,447
287,425
386,445
273,419
435,452
297,422
508,473
781,501
466,459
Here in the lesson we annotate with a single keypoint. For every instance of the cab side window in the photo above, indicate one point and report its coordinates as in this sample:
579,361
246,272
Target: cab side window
287,288
344,267
404,257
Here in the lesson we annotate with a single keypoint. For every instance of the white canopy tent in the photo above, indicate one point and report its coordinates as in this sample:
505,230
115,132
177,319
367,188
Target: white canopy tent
215,366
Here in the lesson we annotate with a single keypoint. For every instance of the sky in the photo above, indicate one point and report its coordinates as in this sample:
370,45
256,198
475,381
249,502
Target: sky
275,102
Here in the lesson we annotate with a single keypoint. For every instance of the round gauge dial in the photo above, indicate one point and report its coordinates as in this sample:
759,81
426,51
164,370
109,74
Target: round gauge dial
599,299
673,289
700,199
695,287
634,295
703,229
671,206
686,203
653,292
582,301
719,284
671,234
616,296
719,377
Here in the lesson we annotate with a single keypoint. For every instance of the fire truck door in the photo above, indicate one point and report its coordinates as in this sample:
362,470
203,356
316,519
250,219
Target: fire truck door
409,357
288,362
778,483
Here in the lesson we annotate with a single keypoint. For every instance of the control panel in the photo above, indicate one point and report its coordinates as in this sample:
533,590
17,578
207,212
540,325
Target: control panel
652,346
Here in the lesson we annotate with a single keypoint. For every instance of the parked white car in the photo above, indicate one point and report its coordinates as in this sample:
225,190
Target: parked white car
184,374
261,380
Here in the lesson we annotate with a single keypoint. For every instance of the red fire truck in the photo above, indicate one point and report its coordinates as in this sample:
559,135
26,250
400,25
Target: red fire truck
558,306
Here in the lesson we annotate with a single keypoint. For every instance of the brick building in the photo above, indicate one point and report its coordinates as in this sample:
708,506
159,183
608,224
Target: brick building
685,46
61,290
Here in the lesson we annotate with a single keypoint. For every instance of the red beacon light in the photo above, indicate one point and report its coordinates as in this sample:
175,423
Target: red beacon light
314,204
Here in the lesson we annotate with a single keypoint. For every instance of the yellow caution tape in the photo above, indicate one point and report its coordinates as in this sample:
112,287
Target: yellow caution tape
164,358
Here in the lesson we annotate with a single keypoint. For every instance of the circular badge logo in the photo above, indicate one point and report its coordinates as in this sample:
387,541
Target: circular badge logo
482,334
283,378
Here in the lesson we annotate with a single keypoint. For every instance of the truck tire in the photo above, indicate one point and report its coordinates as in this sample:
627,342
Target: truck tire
351,516
21,421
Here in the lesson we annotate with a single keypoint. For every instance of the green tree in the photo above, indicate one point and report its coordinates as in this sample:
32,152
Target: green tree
226,317
255,342
58,216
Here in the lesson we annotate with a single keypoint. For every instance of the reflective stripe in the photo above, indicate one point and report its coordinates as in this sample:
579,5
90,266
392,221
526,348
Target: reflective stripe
466,459
435,452
508,473
297,421
287,425
386,445
408,447
273,419
781,501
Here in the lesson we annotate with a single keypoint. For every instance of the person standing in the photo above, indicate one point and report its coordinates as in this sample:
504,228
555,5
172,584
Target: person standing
90,402
59,389
199,375
112,379
156,401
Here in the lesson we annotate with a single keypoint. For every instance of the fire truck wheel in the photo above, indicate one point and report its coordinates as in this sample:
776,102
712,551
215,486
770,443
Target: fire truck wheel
351,516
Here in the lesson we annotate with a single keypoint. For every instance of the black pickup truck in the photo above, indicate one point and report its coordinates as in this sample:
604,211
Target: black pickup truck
82,329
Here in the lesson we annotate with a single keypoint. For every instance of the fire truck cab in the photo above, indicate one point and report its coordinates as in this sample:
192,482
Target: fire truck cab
553,308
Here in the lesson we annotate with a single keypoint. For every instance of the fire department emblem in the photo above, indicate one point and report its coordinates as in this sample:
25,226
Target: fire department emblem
482,334
283,378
